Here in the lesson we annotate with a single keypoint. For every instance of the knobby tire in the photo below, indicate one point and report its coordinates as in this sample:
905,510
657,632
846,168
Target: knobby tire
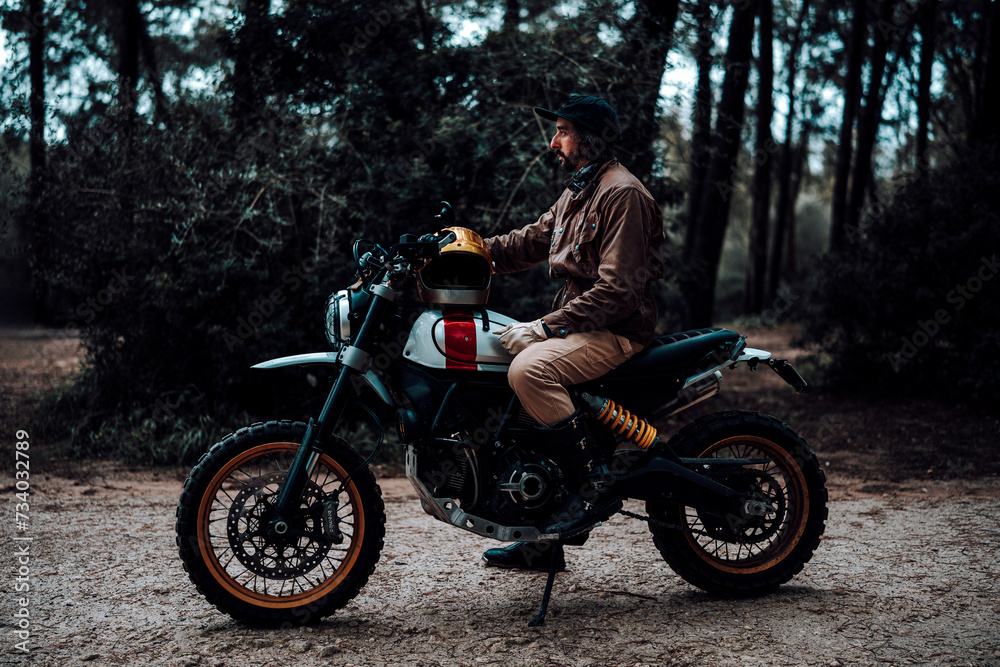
259,579
773,550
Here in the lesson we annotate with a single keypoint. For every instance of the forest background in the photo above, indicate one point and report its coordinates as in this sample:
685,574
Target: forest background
182,180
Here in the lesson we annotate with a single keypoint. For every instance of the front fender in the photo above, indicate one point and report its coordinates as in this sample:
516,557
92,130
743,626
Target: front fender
326,359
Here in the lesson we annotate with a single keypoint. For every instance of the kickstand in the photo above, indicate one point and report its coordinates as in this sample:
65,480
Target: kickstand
539,619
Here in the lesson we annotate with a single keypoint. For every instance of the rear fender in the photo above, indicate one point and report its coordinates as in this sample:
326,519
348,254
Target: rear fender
751,357
327,359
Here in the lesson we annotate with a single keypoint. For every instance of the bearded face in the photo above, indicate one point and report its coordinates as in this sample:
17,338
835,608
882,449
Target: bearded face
566,147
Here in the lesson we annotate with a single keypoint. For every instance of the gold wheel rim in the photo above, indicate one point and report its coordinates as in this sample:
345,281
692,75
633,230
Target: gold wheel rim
218,569
795,489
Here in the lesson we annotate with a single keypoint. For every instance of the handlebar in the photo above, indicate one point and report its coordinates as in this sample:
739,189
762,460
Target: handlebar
424,248
411,253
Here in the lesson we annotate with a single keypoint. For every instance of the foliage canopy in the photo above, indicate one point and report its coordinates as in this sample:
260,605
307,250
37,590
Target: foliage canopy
191,230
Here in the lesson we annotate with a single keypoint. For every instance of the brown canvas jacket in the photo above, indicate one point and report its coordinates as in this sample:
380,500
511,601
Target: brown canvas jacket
607,244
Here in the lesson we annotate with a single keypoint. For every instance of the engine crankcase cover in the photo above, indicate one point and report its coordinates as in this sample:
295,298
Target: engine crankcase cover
526,488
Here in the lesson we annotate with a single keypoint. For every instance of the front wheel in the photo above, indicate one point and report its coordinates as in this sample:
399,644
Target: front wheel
745,558
256,576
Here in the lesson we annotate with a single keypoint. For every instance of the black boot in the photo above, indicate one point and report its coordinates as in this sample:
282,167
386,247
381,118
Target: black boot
591,499
533,555
527,556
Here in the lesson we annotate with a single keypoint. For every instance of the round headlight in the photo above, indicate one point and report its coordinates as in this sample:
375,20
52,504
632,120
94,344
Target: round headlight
335,327
341,308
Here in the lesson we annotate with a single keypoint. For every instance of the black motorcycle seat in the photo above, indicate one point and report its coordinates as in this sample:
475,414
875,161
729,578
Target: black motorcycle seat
681,352
648,380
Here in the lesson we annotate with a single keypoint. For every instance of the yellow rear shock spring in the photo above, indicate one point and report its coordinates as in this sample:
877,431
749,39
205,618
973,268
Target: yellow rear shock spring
624,423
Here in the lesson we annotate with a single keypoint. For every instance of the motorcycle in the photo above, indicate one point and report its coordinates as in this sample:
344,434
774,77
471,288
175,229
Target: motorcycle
283,522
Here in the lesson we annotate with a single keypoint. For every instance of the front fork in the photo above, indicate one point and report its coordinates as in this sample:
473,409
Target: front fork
355,360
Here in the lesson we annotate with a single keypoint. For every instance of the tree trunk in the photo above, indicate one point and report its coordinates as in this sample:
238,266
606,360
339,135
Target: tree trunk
757,260
152,69
511,15
644,58
36,73
427,36
976,71
990,115
928,19
245,63
798,164
713,214
701,137
872,116
128,55
852,96
786,159
37,151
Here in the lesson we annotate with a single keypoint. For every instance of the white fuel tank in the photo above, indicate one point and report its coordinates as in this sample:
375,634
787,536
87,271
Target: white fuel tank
458,338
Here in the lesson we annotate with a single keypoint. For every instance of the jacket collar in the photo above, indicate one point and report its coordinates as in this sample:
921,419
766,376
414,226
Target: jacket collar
591,179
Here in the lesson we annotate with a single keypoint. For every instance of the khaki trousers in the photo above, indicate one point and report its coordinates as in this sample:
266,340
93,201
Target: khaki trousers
540,373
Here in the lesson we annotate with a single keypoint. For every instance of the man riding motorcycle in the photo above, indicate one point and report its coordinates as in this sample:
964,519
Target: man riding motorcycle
604,237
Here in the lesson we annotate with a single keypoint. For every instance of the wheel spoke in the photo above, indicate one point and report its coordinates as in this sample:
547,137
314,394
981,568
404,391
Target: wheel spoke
759,534
243,503
231,550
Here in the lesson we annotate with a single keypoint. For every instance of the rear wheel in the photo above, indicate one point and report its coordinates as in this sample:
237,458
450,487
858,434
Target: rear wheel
244,568
747,556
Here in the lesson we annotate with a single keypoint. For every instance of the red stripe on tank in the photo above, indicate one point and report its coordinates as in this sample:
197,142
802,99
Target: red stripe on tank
460,340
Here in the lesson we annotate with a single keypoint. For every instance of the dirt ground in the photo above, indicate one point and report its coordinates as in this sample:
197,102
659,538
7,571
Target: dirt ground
907,572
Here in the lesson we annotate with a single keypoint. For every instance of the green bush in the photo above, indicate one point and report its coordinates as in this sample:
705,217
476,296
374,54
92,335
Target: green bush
912,305
183,258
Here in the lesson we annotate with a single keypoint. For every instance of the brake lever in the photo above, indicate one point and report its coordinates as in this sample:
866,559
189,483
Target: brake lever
441,241
446,239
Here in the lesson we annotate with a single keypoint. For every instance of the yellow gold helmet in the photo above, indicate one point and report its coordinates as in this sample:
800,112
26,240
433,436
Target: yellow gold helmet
460,275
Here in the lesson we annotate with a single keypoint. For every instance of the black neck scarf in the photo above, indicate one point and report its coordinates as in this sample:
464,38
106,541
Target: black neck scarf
582,178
